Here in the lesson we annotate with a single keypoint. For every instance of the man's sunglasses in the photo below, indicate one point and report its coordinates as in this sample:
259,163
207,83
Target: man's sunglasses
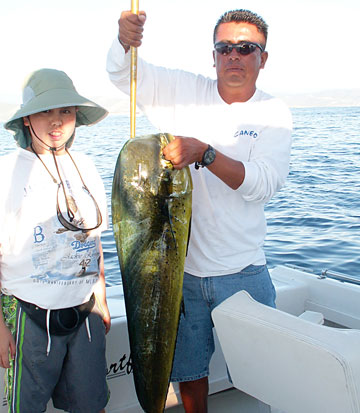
244,48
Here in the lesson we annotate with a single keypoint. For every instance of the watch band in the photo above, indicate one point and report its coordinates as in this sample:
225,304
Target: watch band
205,161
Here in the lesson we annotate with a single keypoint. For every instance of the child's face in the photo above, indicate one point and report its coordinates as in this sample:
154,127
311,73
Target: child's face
54,127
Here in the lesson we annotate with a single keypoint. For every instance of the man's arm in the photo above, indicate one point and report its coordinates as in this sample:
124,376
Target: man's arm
185,151
258,179
118,60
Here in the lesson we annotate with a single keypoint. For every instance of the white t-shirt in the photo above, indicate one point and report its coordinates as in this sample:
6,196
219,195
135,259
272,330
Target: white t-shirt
40,261
228,226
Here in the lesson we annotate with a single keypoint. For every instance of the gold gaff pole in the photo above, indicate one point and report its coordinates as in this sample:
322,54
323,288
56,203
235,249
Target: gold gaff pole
133,76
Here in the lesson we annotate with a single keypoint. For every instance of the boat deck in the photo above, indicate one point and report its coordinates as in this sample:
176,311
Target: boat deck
230,401
299,294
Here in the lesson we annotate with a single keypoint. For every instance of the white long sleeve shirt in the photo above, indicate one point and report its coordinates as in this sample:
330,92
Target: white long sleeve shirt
228,226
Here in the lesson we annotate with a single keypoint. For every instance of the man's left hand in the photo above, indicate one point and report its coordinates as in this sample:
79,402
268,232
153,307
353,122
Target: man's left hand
184,151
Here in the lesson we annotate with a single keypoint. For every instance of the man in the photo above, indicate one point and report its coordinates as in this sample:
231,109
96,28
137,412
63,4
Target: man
239,139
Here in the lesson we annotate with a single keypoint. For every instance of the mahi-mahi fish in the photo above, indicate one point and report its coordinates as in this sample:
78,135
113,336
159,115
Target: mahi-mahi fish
151,212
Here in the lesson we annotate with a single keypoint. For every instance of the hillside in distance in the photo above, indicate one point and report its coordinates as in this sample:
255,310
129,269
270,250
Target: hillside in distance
120,105
325,98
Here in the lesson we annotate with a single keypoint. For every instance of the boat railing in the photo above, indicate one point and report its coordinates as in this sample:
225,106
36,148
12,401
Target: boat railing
328,274
340,277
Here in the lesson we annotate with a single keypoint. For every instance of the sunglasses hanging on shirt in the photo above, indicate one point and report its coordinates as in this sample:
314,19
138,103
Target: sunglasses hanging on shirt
71,223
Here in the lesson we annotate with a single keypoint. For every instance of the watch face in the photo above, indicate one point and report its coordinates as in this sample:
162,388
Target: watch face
209,156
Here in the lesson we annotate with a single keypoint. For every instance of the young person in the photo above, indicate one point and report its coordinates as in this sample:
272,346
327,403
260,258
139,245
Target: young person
237,140
52,211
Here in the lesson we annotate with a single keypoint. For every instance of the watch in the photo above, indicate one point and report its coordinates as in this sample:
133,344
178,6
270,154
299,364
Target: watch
207,159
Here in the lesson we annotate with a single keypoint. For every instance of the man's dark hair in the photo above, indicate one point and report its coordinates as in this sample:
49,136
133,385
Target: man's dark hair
243,16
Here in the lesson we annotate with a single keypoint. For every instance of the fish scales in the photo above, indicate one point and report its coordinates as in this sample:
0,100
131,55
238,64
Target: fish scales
151,209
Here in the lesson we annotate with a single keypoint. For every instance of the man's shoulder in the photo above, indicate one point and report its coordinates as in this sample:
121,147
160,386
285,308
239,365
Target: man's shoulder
273,110
262,96
271,101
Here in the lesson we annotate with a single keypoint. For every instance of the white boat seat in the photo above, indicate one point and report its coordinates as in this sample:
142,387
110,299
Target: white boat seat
313,317
288,362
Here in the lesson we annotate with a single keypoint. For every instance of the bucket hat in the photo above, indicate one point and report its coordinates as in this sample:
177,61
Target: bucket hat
47,89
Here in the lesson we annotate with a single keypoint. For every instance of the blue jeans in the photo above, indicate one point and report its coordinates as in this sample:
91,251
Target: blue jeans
195,340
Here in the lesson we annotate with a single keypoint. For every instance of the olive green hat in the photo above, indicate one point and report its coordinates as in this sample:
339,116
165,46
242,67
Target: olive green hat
47,89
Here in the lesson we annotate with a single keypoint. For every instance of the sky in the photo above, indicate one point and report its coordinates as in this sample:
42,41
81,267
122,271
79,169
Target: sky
312,44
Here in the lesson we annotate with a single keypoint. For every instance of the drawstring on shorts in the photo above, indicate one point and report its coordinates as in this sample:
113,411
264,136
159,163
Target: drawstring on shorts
87,324
48,332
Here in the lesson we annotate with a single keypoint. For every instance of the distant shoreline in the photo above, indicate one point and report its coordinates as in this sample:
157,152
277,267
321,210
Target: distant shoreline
330,98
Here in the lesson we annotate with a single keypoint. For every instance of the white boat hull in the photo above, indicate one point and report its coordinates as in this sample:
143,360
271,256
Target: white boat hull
120,379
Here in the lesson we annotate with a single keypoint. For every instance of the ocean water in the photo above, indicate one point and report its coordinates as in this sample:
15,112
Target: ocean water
313,222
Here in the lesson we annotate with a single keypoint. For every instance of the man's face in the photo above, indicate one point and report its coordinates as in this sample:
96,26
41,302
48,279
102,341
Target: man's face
236,71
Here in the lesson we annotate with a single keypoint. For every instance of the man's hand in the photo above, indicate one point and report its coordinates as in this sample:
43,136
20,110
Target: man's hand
131,28
183,151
